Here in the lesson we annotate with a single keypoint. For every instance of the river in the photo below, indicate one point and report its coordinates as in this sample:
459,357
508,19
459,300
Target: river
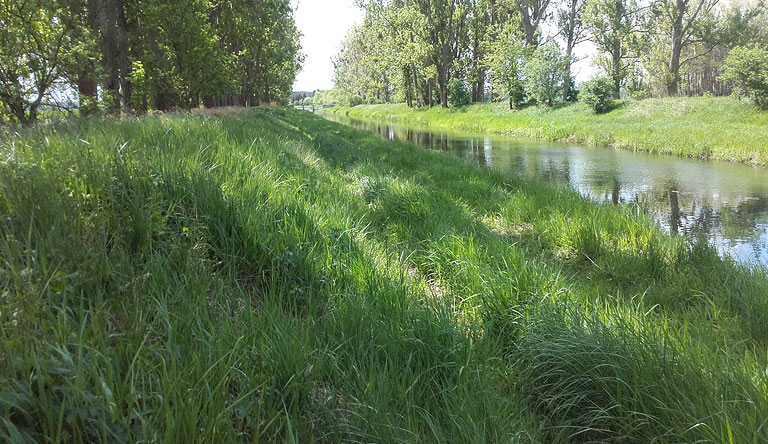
726,203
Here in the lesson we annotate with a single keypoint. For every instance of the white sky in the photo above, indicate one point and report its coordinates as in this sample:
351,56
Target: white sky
324,23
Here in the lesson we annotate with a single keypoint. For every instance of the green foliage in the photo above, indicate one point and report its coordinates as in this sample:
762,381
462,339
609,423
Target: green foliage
683,30
458,94
36,46
614,25
544,72
505,58
350,100
597,93
183,62
141,93
748,69
149,54
264,46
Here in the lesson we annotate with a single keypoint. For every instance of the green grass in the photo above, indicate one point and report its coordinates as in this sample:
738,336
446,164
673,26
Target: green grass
720,128
269,276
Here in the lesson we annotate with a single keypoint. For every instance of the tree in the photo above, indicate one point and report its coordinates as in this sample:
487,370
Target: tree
447,23
109,19
505,58
573,31
544,72
479,24
684,23
141,53
748,68
35,48
532,14
83,70
613,25
358,69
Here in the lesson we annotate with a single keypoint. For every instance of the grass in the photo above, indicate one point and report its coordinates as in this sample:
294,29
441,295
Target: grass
719,128
269,276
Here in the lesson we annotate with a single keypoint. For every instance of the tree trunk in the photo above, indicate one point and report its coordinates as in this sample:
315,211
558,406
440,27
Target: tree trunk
528,27
570,43
109,18
442,84
123,55
479,90
430,85
674,66
616,74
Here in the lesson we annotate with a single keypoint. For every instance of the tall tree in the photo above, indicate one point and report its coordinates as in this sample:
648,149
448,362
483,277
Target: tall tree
532,15
110,21
544,71
614,26
684,23
574,32
447,22
262,37
35,48
505,57
83,70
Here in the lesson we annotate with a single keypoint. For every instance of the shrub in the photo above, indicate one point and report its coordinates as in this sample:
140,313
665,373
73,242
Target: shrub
748,69
598,94
351,100
458,94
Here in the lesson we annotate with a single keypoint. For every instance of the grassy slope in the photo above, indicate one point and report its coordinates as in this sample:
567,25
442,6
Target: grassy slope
269,276
719,128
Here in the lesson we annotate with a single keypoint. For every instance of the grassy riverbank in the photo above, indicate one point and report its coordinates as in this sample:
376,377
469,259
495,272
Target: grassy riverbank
718,128
269,276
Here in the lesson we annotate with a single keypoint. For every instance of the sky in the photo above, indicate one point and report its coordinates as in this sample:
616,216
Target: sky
324,23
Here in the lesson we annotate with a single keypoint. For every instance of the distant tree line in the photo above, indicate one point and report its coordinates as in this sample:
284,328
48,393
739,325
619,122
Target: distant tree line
429,52
136,55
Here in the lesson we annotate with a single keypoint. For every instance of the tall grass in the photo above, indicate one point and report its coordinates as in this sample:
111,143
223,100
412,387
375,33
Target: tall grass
268,276
720,128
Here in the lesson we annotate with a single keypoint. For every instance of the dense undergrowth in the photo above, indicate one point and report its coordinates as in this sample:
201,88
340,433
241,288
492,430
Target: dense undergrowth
719,128
269,276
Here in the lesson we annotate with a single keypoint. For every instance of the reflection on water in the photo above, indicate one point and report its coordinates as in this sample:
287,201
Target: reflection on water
726,203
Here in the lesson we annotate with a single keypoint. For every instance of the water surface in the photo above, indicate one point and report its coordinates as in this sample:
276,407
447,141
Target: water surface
726,203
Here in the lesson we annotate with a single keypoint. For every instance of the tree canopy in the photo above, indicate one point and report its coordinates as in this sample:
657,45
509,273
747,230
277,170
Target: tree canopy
412,50
134,55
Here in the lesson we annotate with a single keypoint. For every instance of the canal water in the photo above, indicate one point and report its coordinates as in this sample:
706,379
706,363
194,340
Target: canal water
726,203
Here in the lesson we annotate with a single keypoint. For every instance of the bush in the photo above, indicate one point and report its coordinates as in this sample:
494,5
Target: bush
598,94
748,69
351,100
458,94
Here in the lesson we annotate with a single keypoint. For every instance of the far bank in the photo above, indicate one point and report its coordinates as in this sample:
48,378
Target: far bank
719,128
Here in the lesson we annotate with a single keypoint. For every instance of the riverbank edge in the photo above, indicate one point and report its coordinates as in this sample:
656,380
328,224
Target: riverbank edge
743,129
